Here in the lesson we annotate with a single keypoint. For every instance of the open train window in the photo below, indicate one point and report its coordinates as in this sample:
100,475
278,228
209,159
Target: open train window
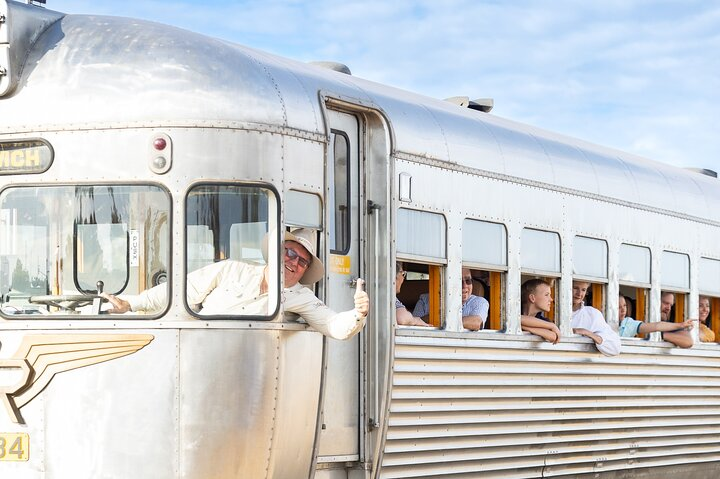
540,258
58,244
421,246
234,230
420,292
634,282
590,263
709,301
485,255
675,278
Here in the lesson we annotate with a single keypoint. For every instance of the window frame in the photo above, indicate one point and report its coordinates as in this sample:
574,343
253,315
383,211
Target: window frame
274,209
346,224
152,187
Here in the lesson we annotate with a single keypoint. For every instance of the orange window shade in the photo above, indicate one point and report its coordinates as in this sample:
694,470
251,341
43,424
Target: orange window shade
597,296
434,296
679,308
640,304
553,292
715,317
640,295
495,300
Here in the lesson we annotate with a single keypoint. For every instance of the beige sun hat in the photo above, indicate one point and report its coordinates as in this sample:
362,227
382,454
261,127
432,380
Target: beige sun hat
306,238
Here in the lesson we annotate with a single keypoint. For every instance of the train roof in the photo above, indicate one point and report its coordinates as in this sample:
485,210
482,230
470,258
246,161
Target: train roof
83,71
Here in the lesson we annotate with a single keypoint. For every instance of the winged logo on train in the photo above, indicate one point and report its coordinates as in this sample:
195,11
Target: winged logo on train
40,357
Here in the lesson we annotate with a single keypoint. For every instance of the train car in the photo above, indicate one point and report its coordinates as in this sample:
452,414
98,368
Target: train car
134,153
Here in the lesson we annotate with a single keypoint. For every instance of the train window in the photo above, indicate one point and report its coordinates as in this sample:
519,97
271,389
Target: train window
485,254
303,210
484,243
540,258
634,281
632,304
421,244
553,281
590,258
675,281
540,251
709,276
421,291
709,286
230,222
590,264
675,271
101,251
421,234
61,244
634,264
339,195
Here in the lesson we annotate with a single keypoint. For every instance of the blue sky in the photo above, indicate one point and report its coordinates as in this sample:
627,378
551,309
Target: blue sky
642,76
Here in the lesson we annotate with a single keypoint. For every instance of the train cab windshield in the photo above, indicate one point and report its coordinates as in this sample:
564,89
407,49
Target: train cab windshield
61,245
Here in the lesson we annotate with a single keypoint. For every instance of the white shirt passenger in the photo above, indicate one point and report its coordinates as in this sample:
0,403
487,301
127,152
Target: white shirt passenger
233,288
591,319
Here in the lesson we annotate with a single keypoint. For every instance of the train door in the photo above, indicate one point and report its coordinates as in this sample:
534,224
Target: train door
339,440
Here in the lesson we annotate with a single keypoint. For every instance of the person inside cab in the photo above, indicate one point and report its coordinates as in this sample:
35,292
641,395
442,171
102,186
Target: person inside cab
230,286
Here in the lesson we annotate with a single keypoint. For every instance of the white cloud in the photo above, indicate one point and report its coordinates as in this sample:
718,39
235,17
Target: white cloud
638,75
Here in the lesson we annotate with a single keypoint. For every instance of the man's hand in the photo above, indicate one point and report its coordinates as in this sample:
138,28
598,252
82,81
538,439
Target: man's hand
362,301
119,305
687,325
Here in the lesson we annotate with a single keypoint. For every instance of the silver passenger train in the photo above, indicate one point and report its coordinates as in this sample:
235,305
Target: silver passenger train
132,153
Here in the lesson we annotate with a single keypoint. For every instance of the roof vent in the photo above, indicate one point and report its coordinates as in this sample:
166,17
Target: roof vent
479,104
704,171
334,66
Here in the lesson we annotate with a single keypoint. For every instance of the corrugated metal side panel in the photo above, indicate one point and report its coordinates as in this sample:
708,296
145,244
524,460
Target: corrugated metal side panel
464,408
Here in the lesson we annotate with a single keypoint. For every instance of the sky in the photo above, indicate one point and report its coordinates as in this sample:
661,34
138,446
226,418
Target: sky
642,76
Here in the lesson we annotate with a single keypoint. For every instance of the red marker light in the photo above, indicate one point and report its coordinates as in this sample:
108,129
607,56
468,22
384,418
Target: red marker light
159,144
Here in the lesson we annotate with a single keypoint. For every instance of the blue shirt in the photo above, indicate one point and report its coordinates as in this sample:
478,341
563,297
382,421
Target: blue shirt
474,306
629,327
398,304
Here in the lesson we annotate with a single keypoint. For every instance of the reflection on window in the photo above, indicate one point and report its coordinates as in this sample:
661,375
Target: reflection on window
101,251
339,195
225,222
63,240
231,222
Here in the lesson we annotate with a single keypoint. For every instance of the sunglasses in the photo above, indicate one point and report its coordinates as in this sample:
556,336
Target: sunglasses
292,255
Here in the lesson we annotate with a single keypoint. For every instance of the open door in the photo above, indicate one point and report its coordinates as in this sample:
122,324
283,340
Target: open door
339,439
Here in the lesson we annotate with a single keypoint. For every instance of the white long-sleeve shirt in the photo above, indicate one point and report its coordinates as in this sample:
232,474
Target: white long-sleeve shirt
591,319
233,288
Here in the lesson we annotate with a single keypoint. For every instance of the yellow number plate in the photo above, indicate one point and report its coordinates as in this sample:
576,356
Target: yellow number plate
14,446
